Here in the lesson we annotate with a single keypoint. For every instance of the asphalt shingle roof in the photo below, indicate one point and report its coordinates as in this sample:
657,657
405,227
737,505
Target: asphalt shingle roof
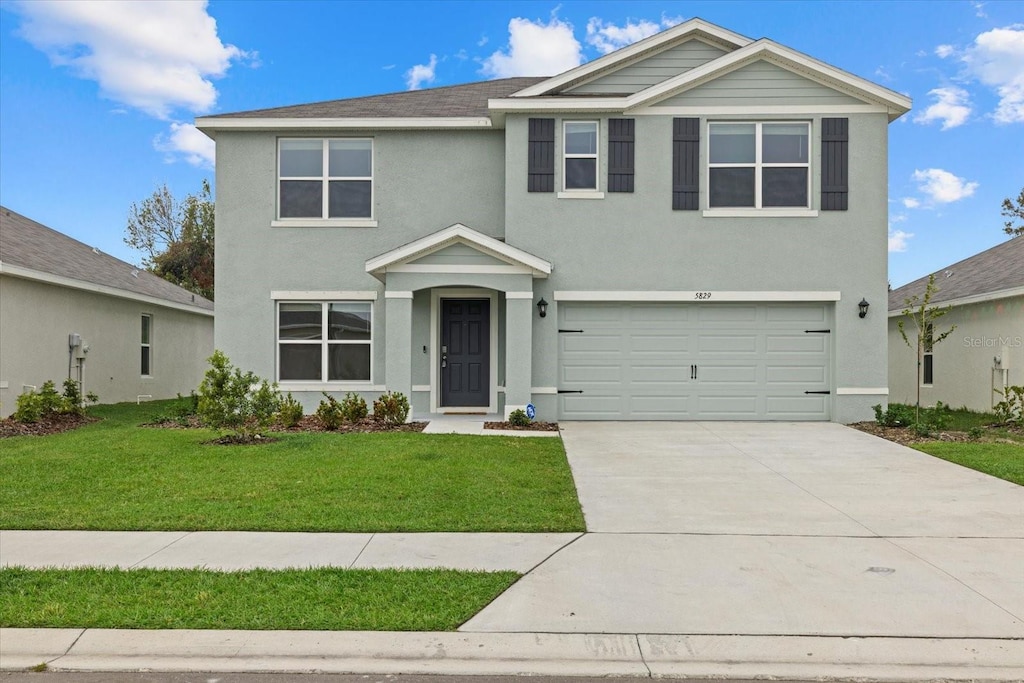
993,270
26,243
468,100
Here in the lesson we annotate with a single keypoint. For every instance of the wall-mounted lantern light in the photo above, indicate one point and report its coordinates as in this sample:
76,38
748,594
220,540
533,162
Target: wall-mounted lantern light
542,307
862,308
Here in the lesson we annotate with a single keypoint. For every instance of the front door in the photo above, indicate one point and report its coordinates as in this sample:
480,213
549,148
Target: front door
465,352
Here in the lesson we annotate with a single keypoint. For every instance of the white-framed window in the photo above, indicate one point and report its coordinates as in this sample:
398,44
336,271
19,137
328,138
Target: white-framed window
927,358
325,178
324,341
147,345
759,165
579,155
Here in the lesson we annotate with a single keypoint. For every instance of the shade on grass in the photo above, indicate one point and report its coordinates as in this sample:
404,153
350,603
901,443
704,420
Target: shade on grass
115,475
1003,460
315,599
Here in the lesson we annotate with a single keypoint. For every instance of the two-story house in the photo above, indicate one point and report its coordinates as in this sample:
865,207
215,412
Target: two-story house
691,227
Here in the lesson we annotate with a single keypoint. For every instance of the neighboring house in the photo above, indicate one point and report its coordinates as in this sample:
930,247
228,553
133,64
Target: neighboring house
682,229
135,334
985,352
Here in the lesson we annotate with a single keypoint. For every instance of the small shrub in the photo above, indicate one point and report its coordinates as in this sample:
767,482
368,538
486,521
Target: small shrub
50,402
29,408
235,401
936,418
329,412
290,411
72,402
391,408
92,397
1011,409
518,418
921,429
974,433
895,415
353,407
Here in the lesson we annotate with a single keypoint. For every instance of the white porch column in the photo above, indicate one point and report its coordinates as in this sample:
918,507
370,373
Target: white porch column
518,349
398,341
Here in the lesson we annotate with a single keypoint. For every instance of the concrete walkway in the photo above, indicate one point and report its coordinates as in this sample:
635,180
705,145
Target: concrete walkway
803,551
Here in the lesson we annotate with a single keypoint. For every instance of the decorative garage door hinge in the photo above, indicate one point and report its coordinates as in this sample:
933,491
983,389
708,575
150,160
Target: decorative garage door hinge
817,392
570,391
817,331
573,331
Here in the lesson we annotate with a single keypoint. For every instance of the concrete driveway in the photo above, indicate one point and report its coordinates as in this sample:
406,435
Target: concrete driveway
774,529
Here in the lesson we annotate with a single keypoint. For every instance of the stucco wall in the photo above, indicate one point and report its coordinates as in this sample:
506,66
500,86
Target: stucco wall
36,319
963,362
636,241
423,181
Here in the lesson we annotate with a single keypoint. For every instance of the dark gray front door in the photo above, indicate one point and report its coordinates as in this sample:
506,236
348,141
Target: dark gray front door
465,352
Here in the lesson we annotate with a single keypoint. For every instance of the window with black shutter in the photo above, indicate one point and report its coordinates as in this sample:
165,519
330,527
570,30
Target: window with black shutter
621,143
685,164
835,141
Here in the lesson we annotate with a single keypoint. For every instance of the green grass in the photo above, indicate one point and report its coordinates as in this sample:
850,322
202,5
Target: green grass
114,475
315,599
1003,460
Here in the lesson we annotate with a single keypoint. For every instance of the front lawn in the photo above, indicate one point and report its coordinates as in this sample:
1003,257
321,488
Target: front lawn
312,599
1003,460
115,475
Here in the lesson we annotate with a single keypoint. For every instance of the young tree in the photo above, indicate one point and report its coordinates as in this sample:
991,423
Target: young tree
1014,210
175,237
924,316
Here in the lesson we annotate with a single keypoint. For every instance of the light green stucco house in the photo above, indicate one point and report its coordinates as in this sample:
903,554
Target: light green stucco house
682,229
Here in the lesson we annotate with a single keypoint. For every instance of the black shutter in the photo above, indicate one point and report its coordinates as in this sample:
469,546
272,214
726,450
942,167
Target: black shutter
621,141
541,163
685,164
835,142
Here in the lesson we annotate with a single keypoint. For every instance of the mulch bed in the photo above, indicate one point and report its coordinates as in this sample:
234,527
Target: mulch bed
52,424
309,423
532,427
906,436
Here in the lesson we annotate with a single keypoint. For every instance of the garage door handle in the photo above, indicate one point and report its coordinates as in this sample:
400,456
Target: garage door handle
693,372
817,392
570,391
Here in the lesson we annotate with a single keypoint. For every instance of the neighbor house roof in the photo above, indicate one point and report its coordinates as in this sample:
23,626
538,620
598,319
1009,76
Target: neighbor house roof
32,250
994,273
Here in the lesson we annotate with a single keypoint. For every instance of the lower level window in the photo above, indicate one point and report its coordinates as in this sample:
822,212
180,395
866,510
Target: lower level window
324,341
927,359
147,345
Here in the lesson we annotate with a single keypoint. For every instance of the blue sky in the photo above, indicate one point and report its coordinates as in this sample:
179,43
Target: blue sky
97,98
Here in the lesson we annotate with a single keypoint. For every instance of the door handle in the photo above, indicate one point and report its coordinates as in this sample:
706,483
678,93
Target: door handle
444,360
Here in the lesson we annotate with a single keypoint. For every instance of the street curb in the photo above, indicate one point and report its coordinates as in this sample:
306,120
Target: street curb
568,654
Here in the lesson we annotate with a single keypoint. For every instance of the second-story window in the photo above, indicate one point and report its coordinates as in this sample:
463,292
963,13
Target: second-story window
325,178
759,165
580,155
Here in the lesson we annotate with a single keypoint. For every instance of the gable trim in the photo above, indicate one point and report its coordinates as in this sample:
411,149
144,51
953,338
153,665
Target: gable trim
450,235
210,125
694,28
785,58
966,300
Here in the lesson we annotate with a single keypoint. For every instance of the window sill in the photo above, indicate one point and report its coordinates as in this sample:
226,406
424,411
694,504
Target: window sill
324,223
581,194
330,386
760,213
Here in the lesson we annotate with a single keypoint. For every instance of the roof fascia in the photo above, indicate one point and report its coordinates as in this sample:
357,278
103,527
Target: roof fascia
623,56
967,300
211,124
784,57
457,232
61,281
558,104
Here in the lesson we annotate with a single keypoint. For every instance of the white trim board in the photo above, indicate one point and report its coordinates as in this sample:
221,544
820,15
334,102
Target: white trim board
968,300
324,295
211,124
705,297
71,283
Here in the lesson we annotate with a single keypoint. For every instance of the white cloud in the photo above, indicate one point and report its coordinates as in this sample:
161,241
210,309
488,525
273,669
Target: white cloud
898,240
944,51
997,60
155,56
608,37
185,141
952,106
979,9
421,73
942,186
911,203
535,49
483,41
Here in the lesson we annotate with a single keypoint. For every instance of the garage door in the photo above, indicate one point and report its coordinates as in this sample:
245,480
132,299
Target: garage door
648,361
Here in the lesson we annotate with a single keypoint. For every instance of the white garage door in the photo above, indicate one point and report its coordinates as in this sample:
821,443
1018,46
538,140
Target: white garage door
649,361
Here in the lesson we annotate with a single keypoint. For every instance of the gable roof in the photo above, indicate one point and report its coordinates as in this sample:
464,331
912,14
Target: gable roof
31,250
994,273
454,234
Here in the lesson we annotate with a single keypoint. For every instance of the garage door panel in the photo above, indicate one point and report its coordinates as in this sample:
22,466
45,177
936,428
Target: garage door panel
637,361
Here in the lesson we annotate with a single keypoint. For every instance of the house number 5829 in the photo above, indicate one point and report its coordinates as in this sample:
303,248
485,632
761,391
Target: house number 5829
702,295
